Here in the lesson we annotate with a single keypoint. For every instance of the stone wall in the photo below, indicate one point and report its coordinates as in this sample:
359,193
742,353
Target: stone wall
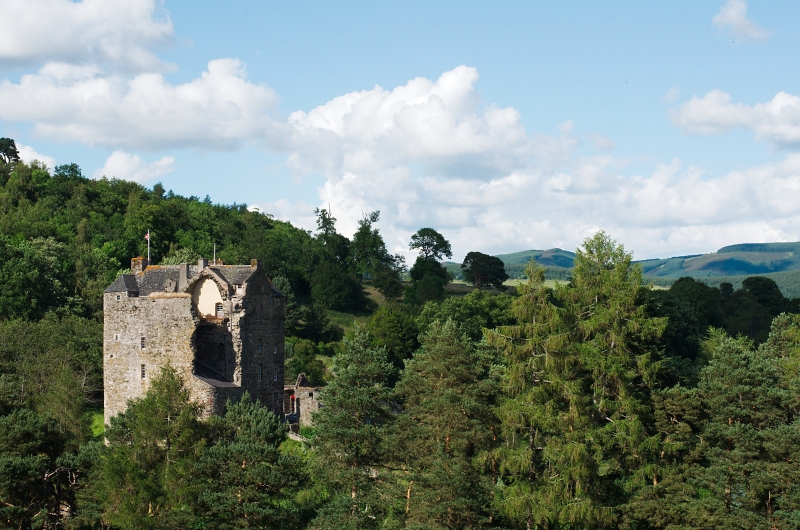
166,325
245,346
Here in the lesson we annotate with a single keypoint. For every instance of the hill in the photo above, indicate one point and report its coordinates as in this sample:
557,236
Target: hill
556,262
734,260
733,263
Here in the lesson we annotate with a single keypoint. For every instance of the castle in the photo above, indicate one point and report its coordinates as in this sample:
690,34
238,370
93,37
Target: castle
219,326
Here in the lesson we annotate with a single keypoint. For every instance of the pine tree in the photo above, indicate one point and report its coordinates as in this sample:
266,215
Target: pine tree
580,367
448,390
147,473
349,445
247,481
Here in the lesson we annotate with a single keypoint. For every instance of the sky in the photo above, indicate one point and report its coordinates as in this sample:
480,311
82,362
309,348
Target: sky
506,126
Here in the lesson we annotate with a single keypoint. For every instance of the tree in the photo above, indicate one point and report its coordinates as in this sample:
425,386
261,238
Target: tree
481,270
8,151
731,443
387,281
147,474
334,288
474,312
301,357
335,246
181,255
429,279
580,370
35,484
394,328
247,481
448,390
351,435
32,277
368,249
431,244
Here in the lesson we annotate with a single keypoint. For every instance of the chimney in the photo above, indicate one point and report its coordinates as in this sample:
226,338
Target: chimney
183,277
138,264
254,264
202,263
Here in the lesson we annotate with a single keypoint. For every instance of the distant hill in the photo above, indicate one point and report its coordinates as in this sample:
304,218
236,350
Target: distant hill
556,262
745,259
734,263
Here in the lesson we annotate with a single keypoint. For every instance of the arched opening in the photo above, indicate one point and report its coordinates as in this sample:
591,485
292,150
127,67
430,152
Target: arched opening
206,299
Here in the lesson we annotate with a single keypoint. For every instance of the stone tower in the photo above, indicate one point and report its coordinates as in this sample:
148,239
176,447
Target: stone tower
219,326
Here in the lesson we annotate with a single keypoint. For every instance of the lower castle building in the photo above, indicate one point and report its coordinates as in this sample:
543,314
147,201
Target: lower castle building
221,327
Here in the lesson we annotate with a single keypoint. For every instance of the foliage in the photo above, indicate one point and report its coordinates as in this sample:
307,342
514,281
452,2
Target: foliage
146,477
482,270
577,418
428,281
37,482
333,288
247,482
448,391
301,357
181,255
474,312
350,436
33,279
394,328
53,366
431,244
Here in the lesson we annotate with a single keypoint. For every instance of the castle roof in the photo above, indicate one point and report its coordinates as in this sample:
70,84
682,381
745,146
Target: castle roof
164,278
124,283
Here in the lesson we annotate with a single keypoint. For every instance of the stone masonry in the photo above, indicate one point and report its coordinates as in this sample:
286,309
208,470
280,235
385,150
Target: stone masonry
219,326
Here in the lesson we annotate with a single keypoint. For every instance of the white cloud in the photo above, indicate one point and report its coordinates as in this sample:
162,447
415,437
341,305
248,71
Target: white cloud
732,17
777,121
128,166
674,210
28,154
671,95
601,142
441,124
427,158
122,33
218,110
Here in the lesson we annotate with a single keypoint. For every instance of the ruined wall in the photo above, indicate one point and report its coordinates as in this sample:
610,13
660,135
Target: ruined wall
259,317
166,324
245,346
306,403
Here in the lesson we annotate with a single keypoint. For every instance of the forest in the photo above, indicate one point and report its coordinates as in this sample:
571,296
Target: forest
597,402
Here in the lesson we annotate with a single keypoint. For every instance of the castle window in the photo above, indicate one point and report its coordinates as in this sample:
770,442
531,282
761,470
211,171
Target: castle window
260,344
116,336
260,371
144,371
229,326
275,377
275,350
119,297
219,311
238,289
311,394
143,344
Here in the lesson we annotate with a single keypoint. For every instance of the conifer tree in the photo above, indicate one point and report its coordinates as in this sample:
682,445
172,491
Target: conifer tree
247,482
349,444
147,473
448,389
580,367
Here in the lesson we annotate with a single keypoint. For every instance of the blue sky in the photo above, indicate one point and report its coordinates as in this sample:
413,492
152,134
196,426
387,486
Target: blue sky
674,126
